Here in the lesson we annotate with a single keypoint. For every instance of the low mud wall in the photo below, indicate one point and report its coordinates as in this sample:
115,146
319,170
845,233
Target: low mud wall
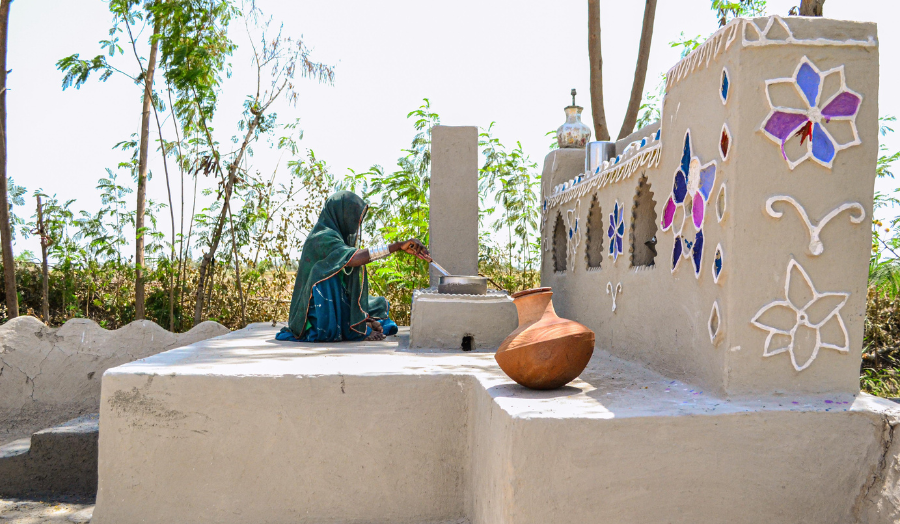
50,375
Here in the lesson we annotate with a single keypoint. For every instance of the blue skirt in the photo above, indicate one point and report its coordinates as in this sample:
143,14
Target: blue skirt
328,316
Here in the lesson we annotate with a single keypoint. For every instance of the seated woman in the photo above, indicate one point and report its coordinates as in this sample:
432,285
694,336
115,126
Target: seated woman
331,299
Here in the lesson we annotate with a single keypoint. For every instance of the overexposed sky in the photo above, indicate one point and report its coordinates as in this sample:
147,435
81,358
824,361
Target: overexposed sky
512,62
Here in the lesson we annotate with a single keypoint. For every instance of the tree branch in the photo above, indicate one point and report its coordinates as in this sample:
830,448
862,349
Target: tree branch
640,70
601,131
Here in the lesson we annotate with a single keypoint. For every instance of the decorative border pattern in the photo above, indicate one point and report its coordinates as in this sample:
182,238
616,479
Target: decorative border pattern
722,40
816,247
719,42
764,40
649,157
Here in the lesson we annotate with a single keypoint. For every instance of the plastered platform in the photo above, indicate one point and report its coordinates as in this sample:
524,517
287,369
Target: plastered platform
243,428
442,320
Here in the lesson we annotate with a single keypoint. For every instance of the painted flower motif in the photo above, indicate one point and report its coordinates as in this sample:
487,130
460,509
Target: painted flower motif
696,180
723,91
573,231
789,318
806,118
616,231
717,264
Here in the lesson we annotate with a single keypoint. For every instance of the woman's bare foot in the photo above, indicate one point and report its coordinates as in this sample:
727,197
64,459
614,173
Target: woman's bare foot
377,331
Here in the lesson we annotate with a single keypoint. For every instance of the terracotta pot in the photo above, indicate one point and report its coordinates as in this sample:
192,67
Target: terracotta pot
545,352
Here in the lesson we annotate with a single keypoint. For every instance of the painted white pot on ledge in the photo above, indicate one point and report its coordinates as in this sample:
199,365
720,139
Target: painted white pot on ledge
574,133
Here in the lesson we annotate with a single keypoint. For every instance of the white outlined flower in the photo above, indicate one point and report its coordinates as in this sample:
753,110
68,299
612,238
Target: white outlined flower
788,317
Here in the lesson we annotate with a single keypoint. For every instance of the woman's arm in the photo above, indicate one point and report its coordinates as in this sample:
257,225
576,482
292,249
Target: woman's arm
411,246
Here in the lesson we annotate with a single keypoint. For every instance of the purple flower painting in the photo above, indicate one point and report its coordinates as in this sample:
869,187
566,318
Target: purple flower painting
693,184
822,123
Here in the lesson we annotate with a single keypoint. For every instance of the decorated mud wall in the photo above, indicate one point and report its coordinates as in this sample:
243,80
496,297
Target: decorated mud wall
728,245
50,375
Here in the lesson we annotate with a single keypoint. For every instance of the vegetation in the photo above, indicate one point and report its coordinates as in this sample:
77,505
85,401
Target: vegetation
881,346
91,275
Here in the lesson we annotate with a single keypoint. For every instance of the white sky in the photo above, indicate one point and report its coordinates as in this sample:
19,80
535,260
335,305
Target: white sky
478,61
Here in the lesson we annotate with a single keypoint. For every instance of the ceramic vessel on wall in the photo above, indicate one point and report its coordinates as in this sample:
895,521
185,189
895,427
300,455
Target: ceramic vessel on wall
574,133
545,352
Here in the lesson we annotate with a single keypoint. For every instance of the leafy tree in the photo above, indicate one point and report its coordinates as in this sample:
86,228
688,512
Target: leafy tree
398,210
510,178
16,197
651,106
191,35
727,10
76,72
277,60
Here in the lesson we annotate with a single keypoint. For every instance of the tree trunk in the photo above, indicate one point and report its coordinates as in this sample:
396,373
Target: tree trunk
220,223
9,263
237,268
182,283
811,7
142,179
601,131
208,257
45,267
180,157
640,70
165,154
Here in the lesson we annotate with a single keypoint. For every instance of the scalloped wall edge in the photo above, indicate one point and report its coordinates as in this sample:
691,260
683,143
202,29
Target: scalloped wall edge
49,375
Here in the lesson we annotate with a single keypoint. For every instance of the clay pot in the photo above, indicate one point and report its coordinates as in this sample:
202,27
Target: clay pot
545,352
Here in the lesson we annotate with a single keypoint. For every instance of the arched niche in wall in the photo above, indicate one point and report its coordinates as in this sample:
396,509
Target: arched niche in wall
643,226
560,252
595,234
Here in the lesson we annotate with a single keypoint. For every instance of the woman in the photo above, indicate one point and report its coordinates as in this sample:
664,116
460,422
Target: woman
331,299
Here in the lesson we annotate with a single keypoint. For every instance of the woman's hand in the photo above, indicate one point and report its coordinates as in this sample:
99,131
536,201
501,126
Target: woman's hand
411,246
416,248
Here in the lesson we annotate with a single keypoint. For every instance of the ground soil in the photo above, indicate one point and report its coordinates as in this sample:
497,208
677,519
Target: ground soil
16,511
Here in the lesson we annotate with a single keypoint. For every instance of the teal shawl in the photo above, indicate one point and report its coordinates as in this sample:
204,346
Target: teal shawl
327,250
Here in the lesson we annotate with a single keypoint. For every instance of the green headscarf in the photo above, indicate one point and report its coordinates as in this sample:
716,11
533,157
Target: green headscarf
328,248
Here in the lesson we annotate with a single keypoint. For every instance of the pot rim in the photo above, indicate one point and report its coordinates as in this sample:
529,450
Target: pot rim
462,279
532,291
